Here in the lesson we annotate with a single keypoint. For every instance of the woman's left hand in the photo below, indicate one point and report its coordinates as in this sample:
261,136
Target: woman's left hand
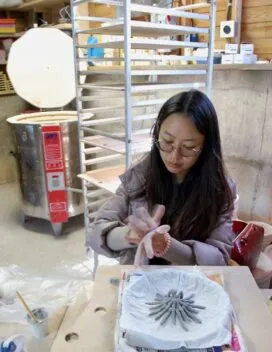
145,247
159,242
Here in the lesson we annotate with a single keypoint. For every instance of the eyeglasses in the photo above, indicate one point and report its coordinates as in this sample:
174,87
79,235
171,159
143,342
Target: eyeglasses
183,150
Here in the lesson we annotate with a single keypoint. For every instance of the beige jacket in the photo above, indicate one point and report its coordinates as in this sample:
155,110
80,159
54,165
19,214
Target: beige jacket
106,234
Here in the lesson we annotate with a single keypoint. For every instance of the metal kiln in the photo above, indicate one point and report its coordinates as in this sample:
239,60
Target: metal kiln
41,68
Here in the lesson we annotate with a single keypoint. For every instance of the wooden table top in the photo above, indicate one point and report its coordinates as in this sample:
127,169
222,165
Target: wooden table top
94,323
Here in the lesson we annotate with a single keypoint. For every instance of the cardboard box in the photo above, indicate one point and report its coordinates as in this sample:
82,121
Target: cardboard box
245,59
231,48
247,49
227,59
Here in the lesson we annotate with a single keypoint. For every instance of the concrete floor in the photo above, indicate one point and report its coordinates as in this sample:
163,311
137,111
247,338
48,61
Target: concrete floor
33,247
48,271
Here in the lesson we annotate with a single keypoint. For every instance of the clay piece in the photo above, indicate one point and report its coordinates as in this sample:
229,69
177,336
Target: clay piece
176,307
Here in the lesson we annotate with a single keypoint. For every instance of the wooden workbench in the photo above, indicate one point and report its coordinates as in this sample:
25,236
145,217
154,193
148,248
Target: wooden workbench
94,324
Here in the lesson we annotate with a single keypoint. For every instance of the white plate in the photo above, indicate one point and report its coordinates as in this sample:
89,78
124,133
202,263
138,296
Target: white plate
144,331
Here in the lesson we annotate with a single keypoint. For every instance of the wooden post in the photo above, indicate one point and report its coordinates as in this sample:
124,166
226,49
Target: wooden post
237,16
83,10
181,21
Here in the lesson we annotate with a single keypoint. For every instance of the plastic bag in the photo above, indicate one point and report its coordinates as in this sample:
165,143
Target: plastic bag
52,292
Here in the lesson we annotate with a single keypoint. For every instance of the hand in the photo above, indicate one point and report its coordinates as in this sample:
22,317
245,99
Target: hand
143,223
158,242
145,247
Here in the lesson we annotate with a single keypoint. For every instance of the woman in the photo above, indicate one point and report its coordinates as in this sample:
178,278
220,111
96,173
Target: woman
184,172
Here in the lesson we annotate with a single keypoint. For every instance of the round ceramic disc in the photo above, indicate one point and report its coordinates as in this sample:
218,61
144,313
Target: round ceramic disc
41,67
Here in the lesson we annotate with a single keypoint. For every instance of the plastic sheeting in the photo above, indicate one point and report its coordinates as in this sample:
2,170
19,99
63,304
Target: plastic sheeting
58,288
52,292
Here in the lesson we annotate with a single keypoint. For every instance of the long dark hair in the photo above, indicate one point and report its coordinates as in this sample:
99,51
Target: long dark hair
194,207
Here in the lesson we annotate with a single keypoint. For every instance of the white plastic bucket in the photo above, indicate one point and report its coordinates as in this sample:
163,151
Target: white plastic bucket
39,329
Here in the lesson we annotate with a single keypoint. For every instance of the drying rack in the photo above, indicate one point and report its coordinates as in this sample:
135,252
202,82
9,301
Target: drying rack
125,88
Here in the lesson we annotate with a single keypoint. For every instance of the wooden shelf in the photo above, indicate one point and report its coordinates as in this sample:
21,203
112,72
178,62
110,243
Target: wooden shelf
11,35
36,4
234,67
63,26
7,92
146,29
107,178
168,11
244,67
193,6
217,67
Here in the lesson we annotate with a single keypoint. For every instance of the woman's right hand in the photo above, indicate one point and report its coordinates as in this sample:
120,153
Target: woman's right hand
143,223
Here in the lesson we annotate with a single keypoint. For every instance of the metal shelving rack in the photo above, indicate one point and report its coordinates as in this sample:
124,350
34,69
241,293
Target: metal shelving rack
137,97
